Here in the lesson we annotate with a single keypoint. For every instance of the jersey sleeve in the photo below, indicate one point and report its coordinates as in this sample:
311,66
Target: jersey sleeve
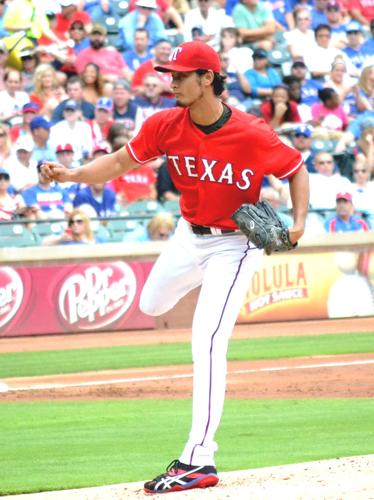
144,146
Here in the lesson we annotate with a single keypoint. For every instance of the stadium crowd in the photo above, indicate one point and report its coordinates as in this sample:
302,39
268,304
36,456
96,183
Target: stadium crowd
77,81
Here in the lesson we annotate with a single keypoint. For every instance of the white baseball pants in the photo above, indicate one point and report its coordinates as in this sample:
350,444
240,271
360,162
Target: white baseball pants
223,265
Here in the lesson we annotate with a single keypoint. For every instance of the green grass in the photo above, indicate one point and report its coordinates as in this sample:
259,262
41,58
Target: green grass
79,360
57,445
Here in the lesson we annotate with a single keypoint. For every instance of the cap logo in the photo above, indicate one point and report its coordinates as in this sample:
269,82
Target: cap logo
174,54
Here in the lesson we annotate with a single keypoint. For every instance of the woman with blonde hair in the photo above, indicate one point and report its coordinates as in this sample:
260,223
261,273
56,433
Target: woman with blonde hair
366,85
159,228
79,231
46,83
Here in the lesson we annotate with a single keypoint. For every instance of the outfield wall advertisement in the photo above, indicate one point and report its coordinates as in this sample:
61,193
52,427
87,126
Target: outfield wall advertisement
104,296
72,298
311,286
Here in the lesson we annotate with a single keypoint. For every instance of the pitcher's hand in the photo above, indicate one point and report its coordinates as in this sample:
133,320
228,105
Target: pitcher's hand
56,171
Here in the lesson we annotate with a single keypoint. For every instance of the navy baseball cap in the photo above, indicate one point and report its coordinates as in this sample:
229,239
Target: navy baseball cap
40,122
105,103
191,56
303,130
260,54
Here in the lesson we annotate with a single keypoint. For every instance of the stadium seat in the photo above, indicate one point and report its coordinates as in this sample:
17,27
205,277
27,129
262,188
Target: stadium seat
172,206
144,207
16,235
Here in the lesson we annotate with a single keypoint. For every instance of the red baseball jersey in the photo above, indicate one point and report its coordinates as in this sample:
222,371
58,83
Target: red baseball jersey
217,172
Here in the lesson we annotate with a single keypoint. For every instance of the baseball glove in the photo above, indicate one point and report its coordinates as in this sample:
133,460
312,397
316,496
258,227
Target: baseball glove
263,227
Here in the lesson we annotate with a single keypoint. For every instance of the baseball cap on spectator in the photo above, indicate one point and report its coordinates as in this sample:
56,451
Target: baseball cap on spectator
30,107
98,28
75,22
299,64
191,56
70,104
303,130
4,174
353,26
105,103
67,3
24,143
344,196
64,147
101,147
333,6
259,54
147,4
40,122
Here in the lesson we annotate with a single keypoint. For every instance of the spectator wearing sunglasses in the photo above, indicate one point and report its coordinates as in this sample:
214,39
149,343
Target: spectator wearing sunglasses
78,231
363,187
10,205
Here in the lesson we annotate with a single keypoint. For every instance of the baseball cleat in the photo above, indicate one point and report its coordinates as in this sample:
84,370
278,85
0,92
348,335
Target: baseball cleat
180,477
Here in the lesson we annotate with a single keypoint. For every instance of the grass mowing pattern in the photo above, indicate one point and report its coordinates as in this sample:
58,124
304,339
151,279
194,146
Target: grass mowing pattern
80,360
57,445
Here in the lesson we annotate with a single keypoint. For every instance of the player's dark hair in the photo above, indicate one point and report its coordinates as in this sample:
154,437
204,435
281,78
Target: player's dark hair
218,81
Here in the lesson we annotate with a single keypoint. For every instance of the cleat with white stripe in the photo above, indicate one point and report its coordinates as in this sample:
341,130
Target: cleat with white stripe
180,477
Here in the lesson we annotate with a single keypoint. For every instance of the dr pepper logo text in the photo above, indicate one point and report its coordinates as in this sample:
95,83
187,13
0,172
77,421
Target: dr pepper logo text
11,294
96,296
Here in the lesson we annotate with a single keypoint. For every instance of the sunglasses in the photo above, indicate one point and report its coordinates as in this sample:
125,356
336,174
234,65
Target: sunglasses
358,170
75,221
4,177
79,28
324,162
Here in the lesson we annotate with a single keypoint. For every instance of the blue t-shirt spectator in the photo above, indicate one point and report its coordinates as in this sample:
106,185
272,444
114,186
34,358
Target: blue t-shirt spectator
258,80
103,203
130,22
48,199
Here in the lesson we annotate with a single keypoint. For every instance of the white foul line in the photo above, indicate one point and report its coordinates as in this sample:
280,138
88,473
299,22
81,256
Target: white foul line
186,375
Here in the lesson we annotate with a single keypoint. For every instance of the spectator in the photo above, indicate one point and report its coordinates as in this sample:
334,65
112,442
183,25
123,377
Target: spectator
326,183
365,143
309,86
23,15
74,131
140,184
152,99
240,58
363,187
144,16
29,61
237,86
93,84
21,166
140,52
97,9
70,13
280,110
321,56
169,13
345,219
12,98
355,47
5,143
283,14
318,12
302,141
48,199
159,228
100,196
361,11
261,78
40,132
336,21
124,107
75,93
205,23
108,59
78,36
301,37
329,113
368,46
103,120
345,87
10,205
255,22
45,85
78,232
162,51
366,93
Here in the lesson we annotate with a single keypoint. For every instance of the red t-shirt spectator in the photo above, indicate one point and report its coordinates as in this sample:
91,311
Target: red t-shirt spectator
108,59
61,29
266,113
365,7
135,185
146,68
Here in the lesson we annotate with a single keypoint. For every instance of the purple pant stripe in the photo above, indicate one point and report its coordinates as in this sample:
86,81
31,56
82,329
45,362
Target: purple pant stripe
211,350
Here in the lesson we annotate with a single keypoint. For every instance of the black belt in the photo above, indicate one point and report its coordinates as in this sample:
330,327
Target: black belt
203,230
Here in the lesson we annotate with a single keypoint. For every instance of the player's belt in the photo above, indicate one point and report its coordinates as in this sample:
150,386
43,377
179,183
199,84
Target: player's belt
204,230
